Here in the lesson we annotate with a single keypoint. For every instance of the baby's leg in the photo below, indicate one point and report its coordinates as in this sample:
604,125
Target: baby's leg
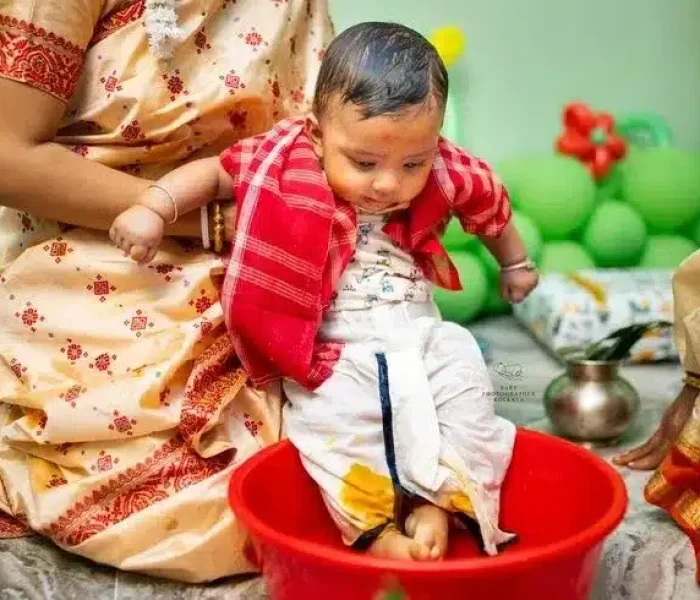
428,525
339,432
476,444
391,543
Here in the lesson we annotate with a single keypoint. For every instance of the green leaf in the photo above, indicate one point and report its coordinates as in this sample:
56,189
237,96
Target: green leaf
618,344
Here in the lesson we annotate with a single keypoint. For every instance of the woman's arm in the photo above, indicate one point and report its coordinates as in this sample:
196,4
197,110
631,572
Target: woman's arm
139,230
48,180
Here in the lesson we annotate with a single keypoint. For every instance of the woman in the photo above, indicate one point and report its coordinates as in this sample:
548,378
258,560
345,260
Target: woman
674,448
123,410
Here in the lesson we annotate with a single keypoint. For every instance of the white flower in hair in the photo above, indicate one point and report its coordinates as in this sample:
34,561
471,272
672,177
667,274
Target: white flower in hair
164,34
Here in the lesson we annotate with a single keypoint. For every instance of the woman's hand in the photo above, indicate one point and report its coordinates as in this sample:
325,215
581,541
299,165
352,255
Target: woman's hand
652,452
51,182
229,211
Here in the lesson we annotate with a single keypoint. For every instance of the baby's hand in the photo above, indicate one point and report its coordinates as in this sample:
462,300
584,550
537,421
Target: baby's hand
516,285
138,231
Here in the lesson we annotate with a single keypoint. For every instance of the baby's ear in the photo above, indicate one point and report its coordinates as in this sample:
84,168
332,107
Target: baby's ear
314,133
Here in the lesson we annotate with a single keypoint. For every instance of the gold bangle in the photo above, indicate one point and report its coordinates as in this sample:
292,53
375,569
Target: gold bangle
210,220
692,381
218,227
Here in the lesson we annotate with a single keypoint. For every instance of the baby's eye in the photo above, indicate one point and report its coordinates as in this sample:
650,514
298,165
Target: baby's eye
364,165
413,165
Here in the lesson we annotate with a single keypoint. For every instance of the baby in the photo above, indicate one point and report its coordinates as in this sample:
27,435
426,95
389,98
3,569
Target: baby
329,289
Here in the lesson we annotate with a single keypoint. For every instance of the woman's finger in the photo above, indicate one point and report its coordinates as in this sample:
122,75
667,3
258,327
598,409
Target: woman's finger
640,451
651,460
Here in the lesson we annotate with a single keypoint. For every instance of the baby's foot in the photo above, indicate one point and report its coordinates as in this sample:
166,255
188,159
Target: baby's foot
428,526
393,544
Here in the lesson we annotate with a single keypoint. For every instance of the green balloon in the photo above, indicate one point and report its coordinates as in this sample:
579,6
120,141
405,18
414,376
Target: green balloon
495,305
688,230
512,171
611,186
664,185
463,305
556,192
564,257
615,235
644,129
491,265
696,233
666,251
455,238
530,234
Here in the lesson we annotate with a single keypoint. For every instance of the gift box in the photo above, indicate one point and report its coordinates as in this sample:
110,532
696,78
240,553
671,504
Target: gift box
569,311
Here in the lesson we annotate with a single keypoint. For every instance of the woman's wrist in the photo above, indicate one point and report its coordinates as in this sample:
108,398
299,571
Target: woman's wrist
187,226
692,380
190,225
228,211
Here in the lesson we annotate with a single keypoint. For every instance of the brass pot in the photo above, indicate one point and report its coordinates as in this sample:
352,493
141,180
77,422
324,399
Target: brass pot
591,402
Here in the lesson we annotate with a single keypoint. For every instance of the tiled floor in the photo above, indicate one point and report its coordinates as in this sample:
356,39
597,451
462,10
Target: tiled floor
646,559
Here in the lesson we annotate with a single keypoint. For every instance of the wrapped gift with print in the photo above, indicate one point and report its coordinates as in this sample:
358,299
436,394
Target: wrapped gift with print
574,310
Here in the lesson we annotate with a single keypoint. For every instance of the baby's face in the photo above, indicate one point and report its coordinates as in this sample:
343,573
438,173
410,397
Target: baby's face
379,164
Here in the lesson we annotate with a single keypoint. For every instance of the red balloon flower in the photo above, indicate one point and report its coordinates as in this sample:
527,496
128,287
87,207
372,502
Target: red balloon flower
590,137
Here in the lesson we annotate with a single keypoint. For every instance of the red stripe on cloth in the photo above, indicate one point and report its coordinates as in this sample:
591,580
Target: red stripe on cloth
294,239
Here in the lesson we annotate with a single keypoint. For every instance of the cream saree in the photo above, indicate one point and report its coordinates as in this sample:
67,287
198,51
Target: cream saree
123,412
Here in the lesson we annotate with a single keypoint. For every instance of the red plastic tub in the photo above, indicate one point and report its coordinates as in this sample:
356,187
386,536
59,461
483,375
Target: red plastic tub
562,500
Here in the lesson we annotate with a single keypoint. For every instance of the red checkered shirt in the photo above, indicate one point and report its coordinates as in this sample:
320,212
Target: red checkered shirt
294,239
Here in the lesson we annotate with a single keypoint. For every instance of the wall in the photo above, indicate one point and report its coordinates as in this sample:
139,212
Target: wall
527,58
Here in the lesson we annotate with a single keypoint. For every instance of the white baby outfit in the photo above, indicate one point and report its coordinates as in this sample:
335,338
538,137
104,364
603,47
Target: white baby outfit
409,402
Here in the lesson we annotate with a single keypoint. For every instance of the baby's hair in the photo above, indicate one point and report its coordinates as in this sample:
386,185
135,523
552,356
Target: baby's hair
383,68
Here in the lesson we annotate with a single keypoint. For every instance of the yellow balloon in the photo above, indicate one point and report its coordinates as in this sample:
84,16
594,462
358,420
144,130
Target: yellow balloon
449,41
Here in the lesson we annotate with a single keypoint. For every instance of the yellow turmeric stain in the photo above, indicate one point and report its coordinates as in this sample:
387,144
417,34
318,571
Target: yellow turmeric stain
368,495
461,503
